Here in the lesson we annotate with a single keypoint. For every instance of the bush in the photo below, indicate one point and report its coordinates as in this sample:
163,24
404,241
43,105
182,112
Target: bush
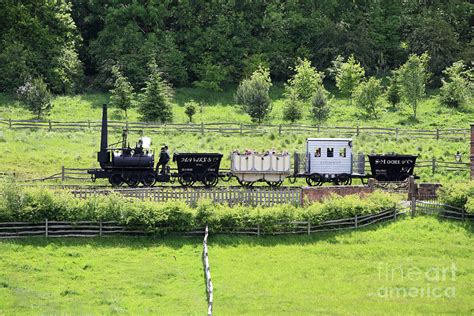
293,109
190,109
319,106
457,194
455,90
35,96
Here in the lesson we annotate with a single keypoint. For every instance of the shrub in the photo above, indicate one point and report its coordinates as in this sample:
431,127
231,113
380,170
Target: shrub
319,106
457,194
470,205
35,96
211,76
293,109
455,90
190,109
367,97
305,82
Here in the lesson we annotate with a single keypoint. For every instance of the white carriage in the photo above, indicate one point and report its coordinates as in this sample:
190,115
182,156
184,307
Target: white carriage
270,167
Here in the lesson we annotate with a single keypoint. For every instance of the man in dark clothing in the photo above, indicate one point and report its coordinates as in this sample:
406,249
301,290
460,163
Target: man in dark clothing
163,161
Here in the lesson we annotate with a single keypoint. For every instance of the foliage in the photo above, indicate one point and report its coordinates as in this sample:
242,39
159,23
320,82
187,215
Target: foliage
253,95
457,194
190,109
349,75
393,92
211,76
293,108
367,97
413,76
155,103
319,106
35,96
456,90
122,93
305,82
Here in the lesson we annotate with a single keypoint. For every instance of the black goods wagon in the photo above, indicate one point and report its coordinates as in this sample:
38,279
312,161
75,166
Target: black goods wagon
194,167
392,167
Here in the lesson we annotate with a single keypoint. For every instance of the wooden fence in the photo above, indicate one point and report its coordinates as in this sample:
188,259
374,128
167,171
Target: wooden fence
207,273
440,210
242,129
228,195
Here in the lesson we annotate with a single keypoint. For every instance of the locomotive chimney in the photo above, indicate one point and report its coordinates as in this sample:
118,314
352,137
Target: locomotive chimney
103,156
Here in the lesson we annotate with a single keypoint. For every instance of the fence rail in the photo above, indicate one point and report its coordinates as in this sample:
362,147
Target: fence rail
229,195
441,210
240,128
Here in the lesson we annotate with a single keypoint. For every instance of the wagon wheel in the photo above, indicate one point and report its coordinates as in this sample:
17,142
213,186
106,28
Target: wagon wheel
246,184
186,179
148,180
227,177
345,179
132,180
292,180
116,180
210,179
314,179
274,184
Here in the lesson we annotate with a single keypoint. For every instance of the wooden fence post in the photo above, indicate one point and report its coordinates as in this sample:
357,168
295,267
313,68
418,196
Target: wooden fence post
46,227
10,123
433,165
413,206
100,228
395,214
202,128
357,131
279,129
437,134
396,133
356,224
63,173
309,228
463,214
241,128
319,127
258,229
50,127
89,123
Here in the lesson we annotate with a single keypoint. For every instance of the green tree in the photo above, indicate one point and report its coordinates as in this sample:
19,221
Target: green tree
293,108
413,76
319,106
211,76
455,90
253,94
305,82
190,109
348,76
393,92
35,96
367,97
156,97
122,93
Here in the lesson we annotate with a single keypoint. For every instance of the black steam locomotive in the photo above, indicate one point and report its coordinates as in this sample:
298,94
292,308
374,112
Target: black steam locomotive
121,163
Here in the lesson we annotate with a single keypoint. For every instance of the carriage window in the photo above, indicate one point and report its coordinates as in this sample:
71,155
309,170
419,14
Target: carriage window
330,152
318,152
342,152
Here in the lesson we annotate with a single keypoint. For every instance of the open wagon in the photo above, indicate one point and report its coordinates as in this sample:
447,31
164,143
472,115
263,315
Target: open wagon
202,167
392,167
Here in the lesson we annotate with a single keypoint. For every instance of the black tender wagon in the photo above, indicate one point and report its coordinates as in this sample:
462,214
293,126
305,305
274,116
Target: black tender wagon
203,167
392,167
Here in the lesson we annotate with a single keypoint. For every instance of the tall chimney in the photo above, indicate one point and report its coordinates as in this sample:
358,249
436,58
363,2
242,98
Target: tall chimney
472,151
103,131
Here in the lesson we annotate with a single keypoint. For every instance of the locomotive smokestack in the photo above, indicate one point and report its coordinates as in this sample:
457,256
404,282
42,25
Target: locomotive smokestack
104,132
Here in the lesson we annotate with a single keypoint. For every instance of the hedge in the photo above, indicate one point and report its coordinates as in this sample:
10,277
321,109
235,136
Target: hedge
459,195
36,204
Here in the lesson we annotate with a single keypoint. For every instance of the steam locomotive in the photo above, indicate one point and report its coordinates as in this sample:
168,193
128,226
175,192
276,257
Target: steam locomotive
325,160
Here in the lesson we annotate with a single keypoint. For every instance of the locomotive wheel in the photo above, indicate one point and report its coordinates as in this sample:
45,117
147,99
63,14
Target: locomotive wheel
132,180
314,180
186,179
210,179
148,180
274,184
116,180
344,179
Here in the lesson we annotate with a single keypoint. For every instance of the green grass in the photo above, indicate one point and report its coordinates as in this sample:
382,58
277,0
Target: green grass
221,107
41,153
342,273
134,276
346,273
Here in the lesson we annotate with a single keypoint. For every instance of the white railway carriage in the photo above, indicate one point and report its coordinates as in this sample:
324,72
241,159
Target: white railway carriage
250,168
328,159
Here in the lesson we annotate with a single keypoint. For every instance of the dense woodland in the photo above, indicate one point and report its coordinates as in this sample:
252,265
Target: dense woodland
73,45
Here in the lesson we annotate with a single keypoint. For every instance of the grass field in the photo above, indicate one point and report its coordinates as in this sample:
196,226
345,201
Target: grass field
358,272
353,273
135,276
221,107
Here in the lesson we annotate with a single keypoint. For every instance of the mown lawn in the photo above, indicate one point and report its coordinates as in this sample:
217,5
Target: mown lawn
134,276
376,271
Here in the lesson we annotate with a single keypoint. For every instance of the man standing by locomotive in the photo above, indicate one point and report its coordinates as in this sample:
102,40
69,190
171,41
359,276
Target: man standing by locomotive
164,159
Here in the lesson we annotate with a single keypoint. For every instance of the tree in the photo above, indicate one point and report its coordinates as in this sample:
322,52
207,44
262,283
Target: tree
393,92
190,109
348,76
413,76
455,90
367,97
122,94
293,108
156,97
319,106
253,95
35,96
305,82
